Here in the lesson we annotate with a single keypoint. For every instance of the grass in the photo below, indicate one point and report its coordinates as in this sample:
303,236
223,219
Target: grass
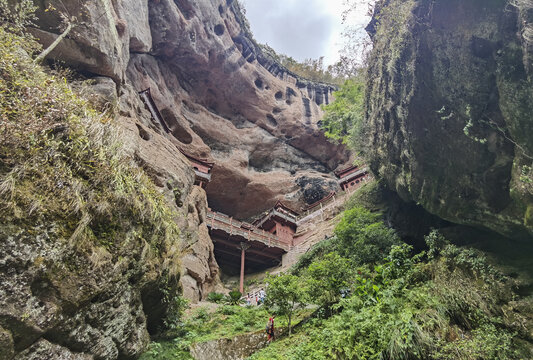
226,321
166,350
446,303
62,163
282,348
71,193
231,320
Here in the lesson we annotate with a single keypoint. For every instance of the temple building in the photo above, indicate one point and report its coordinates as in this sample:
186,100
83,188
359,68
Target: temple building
241,246
279,221
352,177
323,201
202,169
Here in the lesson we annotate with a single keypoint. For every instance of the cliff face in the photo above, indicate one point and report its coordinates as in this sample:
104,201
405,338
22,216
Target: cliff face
450,105
220,99
220,96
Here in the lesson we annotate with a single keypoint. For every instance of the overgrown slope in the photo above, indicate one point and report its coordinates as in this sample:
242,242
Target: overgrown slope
373,296
85,237
444,303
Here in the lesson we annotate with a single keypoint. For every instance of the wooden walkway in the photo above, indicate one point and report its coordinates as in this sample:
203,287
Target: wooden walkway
219,221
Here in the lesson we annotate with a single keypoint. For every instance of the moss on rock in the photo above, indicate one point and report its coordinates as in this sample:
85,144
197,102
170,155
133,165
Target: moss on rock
82,229
449,105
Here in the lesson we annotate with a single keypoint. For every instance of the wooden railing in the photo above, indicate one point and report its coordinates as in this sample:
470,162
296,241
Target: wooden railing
216,220
353,175
335,200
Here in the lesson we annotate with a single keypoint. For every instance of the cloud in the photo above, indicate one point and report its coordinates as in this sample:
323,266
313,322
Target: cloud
298,28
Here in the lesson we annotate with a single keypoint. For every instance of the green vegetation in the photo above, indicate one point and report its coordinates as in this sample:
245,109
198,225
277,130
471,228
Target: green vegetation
234,298
61,161
15,19
363,237
310,69
344,118
65,179
166,350
215,297
203,325
174,305
446,303
284,295
226,321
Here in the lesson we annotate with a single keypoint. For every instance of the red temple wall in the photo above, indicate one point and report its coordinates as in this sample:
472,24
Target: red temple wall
355,183
284,233
201,168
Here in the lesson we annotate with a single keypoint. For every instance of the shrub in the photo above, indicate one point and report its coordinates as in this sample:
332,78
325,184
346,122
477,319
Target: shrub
318,250
174,304
234,298
344,118
61,162
65,176
363,237
215,297
227,310
16,18
201,314
447,307
284,294
326,278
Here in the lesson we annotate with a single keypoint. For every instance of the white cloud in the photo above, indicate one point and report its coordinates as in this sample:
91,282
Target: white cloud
301,28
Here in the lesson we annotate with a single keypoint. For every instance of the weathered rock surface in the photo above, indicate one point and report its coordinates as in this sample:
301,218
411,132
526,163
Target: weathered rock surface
43,349
222,98
60,299
236,348
172,172
450,107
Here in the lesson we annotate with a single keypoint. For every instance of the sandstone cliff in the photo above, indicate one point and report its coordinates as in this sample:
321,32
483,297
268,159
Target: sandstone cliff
221,99
218,95
450,106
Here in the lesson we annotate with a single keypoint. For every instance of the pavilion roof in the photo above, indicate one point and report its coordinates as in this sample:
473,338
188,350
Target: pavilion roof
279,204
198,160
340,173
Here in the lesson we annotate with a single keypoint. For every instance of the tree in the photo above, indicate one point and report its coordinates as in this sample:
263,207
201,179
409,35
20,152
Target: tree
22,14
363,237
68,24
56,42
344,118
285,295
326,278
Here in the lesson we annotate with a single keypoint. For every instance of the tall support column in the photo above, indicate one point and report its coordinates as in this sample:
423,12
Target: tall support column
243,246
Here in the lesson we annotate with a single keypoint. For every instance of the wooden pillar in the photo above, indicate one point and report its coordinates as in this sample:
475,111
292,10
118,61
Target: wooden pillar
244,246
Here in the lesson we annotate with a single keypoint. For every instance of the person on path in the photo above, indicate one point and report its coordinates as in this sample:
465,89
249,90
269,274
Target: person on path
262,295
270,329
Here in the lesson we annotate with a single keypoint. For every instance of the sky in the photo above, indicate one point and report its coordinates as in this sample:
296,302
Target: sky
301,28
